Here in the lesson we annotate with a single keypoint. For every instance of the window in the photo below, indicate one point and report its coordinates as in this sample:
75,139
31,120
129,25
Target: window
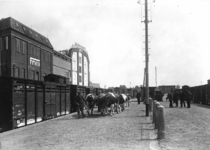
6,43
80,69
18,45
80,60
67,74
1,44
80,78
21,46
38,52
23,73
47,56
34,50
32,74
16,72
37,76
24,47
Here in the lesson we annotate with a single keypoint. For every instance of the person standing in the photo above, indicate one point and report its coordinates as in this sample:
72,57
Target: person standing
176,95
182,98
170,97
188,97
79,102
138,96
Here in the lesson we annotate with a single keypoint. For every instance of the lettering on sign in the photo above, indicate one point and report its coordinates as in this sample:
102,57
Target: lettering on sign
34,62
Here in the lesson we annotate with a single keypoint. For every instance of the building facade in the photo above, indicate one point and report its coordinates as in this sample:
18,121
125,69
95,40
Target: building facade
80,65
62,65
24,53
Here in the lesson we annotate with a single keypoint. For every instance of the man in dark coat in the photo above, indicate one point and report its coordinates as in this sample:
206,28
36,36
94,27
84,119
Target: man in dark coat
170,97
79,102
138,96
188,96
182,97
176,95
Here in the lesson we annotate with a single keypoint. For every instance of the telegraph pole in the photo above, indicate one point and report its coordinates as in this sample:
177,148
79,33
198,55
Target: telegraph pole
156,75
146,58
146,21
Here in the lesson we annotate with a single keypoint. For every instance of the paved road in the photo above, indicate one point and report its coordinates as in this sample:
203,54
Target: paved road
129,130
186,128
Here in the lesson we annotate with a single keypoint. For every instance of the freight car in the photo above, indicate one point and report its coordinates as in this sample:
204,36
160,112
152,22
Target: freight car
201,94
24,101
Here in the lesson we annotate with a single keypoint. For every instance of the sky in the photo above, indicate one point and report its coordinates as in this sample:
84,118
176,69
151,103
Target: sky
113,34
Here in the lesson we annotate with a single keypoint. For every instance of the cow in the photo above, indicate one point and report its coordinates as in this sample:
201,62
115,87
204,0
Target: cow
128,100
91,101
122,100
111,101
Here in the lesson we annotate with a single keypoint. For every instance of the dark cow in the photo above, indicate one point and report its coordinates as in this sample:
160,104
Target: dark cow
109,100
91,100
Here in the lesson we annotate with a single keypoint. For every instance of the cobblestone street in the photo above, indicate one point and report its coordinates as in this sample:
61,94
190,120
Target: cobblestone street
186,128
129,130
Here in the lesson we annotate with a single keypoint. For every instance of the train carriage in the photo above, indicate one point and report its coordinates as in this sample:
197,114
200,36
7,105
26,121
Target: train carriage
24,102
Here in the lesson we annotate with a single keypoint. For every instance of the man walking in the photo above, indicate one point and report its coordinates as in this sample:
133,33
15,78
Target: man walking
188,98
182,98
170,97
79,101
138,96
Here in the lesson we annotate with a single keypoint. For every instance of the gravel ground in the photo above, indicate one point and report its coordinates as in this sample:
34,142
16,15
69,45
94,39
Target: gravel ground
186,128
129,130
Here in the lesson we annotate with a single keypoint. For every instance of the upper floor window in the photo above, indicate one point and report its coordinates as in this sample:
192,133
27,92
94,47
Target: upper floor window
80,78
22,73
15,71
24,47
80,69
18,45
6,43
80,60
47,56
21,46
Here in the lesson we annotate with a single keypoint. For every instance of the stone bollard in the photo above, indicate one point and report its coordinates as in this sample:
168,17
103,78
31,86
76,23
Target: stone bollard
153,114
156,114
150,104
161,123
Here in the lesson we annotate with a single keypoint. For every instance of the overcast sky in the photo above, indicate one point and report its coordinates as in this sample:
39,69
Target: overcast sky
112,32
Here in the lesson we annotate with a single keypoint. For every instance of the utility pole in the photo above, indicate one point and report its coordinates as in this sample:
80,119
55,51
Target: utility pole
147,59
156,75
146,21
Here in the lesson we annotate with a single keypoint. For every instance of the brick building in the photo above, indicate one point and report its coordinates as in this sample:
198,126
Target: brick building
24,53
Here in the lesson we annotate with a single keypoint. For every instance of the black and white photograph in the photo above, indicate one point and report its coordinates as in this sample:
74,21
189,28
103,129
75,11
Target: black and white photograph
104,75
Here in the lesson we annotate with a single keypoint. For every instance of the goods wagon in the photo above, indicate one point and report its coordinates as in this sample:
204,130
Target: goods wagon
24,102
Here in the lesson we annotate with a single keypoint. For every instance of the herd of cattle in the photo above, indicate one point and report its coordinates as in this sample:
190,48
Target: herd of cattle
107,103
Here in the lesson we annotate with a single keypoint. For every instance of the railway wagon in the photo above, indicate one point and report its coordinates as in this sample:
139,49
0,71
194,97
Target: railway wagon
201,94
99,90
24,102
91,91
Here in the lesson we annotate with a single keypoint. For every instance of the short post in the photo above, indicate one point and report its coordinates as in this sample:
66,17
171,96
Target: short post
161,123
156,114
150,104
153,114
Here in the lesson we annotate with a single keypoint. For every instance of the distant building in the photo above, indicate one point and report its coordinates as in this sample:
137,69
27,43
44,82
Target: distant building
94,85
80,73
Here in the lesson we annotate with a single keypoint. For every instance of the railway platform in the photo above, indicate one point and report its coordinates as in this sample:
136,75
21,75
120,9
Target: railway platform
128,130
